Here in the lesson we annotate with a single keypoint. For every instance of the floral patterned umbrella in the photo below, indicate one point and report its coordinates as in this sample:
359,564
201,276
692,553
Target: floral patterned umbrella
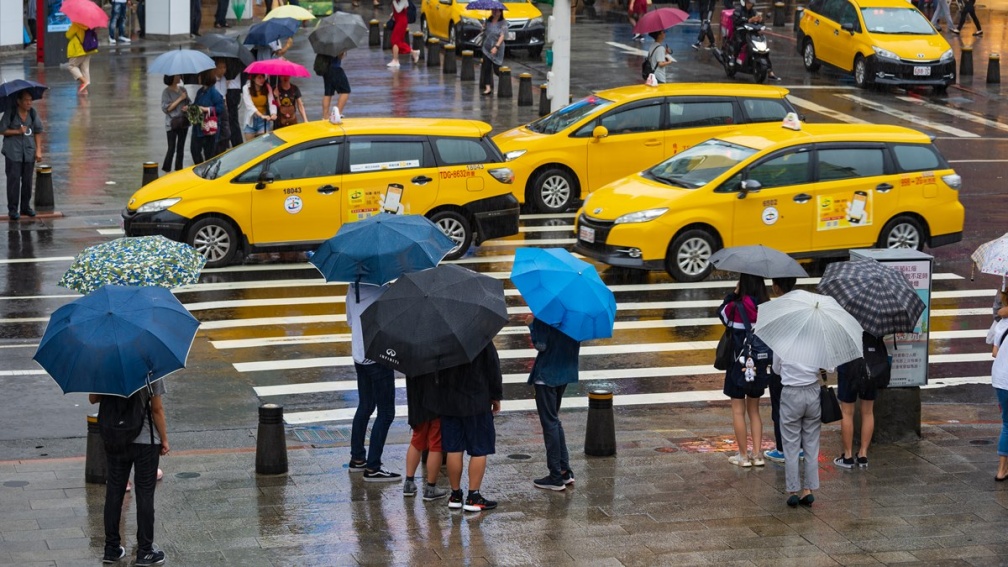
992,257
137,261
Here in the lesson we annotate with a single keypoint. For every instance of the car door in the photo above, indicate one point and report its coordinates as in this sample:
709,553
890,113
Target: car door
779,214
634,142
854,195
691,120
847,43
381,165
296,194
827,31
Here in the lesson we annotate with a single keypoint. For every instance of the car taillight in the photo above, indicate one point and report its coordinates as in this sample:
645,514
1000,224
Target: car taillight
953,180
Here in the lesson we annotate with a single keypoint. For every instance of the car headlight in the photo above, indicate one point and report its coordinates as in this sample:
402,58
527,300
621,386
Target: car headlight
157,206
514,154
535,22
467,21
885,53
948,55
641,216
502,174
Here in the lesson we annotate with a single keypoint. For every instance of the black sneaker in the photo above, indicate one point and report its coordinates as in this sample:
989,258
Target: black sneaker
696,46
31,212
547,483
568,477
455,500
978,33
152,557
476,503
114,555
357,466
381,475
843,462
862,462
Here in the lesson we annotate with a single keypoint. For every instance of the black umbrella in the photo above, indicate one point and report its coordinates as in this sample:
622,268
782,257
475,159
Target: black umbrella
757,260
265,33
235,55
434,319
878,296
338,33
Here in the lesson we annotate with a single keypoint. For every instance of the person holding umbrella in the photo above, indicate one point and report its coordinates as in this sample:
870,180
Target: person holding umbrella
660,56
289,103
79,64
22,147
259,106
999,380
174,104
204,145
494,32
555,366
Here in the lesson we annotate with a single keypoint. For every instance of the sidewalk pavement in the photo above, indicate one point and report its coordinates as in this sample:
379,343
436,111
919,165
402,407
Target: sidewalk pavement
669,497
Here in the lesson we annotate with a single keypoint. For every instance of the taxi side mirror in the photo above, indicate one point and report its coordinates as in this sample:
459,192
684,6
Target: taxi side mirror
848,27
600,132
749,186
265,178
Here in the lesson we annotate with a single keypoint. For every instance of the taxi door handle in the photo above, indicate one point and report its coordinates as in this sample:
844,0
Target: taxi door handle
883,187
652,143
802,198
816,21
836,32
421,180
327,189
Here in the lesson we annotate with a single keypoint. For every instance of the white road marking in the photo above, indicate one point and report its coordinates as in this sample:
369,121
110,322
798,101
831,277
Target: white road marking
956,112
111,232
37,260
908,117
554,242
554,228
834,114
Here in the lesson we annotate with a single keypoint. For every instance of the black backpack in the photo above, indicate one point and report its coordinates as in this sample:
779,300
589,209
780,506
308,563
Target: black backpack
873,370
411,12
121,419
322,63
646,67
755,349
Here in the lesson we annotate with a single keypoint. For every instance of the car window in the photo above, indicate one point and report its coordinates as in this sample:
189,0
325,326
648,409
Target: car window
917,157
699,114
902,21
633,120
237,157
557,121
453,151
317,161
816,6
367,155
764,109
845,163
848,15
700,164
791,168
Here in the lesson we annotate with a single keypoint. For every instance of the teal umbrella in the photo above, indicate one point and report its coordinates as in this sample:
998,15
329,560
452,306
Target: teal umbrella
136,261
239,8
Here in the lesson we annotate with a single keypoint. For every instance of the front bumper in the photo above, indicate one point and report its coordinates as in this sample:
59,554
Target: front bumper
888,72
620,256
495,217
165,223
525,36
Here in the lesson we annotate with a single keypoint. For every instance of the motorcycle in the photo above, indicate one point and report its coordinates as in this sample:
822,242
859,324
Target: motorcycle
755,56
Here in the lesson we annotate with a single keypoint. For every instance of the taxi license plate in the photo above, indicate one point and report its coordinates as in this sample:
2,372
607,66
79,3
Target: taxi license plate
586,234
510,36
922,71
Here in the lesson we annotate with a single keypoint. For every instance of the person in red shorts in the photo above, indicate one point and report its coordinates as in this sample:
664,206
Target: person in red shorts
426,427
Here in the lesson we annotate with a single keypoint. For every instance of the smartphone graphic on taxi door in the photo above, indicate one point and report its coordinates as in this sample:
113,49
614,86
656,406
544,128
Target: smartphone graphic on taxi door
393,196
857,207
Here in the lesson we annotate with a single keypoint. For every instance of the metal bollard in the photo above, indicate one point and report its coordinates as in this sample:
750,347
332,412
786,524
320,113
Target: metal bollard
43,188
600,433
374,35
271,445
467,73
504,89
149,172
386,39
994,69
778,15
525,89
433,57
94,463
449,67
544,101
798,13
966,61
418,43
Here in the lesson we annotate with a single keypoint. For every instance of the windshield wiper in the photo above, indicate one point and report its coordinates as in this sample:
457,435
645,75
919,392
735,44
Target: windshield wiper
671,181
216,168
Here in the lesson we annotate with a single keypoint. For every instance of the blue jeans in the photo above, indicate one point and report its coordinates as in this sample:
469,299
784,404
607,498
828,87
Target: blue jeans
375,389
118,463
548,400
1003,441
117,21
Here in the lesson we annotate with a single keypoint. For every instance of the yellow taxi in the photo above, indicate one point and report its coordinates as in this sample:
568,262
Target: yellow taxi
293,188
615,132
451,20
807,190
885,42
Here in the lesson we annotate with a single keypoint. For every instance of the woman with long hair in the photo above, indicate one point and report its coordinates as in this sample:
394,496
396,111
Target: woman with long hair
204,146
399,30
494,32
259,106
174,103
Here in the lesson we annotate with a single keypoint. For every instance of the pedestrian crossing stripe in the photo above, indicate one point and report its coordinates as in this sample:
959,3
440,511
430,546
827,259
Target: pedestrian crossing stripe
916,121
955,112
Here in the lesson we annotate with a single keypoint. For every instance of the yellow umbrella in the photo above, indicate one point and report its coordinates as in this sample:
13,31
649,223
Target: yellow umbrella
290,11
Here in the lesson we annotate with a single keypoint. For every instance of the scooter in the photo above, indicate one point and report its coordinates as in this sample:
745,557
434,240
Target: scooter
754,58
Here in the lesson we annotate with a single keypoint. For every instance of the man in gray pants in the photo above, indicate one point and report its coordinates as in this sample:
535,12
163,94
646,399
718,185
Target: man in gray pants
800,422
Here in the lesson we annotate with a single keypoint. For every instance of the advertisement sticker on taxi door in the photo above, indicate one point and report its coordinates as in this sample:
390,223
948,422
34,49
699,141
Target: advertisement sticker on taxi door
844,210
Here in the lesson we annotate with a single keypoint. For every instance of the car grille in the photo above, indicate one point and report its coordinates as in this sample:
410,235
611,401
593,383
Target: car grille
602,229
904,70
517,25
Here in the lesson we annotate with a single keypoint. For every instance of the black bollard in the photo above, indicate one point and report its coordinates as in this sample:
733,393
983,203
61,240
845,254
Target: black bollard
418,43
966,61
798,13
467,73
525,89
43,188
600,432
386,39
544,101
778,15
374,35
433,58
94,463
994,69
271,445
504,89
449,67
149,172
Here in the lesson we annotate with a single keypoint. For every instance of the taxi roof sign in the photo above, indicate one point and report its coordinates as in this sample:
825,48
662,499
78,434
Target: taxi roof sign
792,122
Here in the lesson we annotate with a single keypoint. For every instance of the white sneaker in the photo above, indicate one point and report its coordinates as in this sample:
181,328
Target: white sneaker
740,461
124,40
111,41
416,57
392,64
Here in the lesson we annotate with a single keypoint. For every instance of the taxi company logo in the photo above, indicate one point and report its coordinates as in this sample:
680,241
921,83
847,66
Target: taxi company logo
293,204
770,215
597,211
920,56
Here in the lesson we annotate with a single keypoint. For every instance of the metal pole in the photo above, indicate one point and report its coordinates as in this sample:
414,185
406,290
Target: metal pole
559,77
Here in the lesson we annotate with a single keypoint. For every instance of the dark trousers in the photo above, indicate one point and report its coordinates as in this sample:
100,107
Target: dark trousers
220,17
776,387
969,9
375,390
176,145
232,99
487,70
202,148
144,458
141,12
195,15
548,400
19,184
32,28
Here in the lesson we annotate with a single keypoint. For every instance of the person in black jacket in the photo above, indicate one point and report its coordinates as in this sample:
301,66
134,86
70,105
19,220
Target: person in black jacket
968,9
467,397
706,8
746,13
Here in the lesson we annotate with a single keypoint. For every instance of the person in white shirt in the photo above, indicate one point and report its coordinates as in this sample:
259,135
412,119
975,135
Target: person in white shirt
800,422
999,379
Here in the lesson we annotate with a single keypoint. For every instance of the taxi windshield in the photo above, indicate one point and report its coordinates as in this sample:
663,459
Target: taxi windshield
897,21
237,157
700,164
557,121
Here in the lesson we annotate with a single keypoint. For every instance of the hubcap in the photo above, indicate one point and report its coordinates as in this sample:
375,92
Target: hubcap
693,256
859,72
453,229
555,191
903,235
809,55
212,242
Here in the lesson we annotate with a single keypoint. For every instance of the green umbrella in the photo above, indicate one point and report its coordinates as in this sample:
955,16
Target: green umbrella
239,8
138,261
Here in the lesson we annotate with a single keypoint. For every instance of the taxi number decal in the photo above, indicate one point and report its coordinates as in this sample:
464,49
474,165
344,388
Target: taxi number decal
770,203
457,173
292,190
475,166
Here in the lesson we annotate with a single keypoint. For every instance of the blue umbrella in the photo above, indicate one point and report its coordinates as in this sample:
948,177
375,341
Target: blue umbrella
265,33
181,62
115,338
10,88
486,5
381,248
564,292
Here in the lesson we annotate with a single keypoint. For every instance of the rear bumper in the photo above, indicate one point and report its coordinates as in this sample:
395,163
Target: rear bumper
495,217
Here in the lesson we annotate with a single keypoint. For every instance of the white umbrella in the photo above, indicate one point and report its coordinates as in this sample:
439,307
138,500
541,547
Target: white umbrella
811,329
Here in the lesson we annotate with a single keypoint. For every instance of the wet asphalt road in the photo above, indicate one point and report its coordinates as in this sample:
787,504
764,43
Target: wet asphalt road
97,145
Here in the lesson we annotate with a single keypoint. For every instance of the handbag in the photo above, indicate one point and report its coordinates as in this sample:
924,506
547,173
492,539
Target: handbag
210,125
828,402
180,122
725,355
390,24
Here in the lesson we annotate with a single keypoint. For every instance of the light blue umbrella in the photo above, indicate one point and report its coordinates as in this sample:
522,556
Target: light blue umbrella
564,292
114,339
181,62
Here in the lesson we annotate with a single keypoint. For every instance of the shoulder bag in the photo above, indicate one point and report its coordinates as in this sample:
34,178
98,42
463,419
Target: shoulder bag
828,402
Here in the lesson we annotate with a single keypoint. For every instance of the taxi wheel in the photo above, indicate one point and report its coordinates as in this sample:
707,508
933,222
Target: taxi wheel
425,29
688,257
861,73
451,33
902,232
456,227
809,58
553,190
215,239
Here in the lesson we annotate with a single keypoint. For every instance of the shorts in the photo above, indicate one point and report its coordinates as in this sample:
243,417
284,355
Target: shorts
473,433
258,126
335,81
736,392
427,437
848,393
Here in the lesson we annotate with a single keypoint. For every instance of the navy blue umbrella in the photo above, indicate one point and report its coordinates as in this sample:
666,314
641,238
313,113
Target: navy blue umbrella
486,5
11,88
381,248
265,33
115,338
